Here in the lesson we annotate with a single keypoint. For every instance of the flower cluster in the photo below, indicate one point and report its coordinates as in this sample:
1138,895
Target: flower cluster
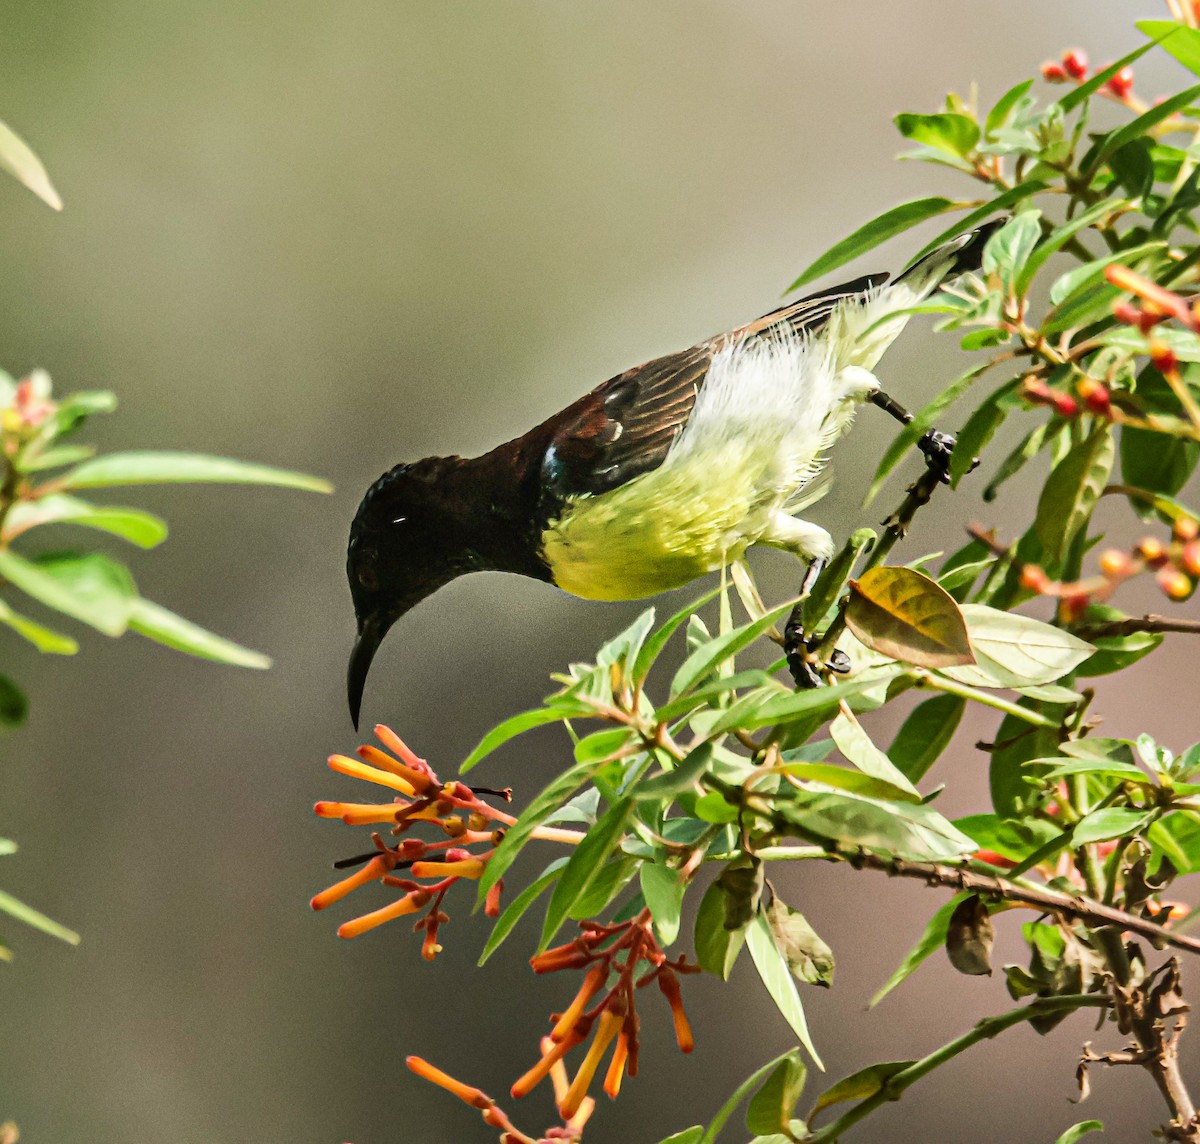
619,959
1072,66
471,828
23,409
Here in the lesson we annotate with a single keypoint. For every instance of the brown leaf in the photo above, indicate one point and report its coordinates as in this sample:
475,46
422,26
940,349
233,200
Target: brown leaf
969,938
903,614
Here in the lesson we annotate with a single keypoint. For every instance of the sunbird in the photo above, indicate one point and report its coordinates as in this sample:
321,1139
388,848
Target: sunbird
661,474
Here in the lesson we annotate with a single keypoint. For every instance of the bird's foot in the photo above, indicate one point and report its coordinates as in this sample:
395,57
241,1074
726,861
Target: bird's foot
938,449
803,664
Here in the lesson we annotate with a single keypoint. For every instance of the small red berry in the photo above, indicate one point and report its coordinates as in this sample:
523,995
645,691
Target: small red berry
1075,63
1175,584
1187,528
1127,313
1054,72
1074,605
1121,84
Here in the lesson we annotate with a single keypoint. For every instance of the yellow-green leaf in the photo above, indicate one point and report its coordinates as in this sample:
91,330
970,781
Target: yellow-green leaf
902,613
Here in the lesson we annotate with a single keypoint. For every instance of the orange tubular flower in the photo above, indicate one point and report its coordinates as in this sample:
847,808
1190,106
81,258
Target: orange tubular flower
616,1067
593,982
550,1057
356,770
611,1021
463,868
359,813
1156,296
409,904
376,868
373,755
472,1096
669,984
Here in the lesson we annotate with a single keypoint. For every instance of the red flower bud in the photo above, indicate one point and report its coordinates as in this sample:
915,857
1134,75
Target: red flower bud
1034,578
1115,564
1162,356
1054,72
1152,551
1190,557
1074,605
1187,528
993,859
1075,63
1121,84
1065,405
1095,396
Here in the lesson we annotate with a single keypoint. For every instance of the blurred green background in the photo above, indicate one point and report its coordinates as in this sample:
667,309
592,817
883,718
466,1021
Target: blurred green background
334,237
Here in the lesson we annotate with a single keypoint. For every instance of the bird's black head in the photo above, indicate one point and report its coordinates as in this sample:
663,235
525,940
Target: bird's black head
406,542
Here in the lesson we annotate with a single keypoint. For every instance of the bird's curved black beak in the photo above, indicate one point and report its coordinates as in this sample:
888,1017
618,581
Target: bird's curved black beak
370,636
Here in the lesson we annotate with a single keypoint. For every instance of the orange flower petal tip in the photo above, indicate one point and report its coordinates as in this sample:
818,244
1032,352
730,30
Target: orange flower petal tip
464,1092
396,909
345,765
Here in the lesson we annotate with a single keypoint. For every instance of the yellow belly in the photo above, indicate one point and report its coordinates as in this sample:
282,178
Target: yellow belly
659,531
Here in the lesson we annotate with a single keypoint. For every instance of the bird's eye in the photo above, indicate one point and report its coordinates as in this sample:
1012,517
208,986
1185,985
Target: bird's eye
367,577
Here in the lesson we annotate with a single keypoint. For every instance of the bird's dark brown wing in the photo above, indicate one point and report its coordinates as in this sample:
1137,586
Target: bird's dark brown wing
626,426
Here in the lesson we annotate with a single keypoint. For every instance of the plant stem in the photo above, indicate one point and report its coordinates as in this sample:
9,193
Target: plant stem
940,683
986,1029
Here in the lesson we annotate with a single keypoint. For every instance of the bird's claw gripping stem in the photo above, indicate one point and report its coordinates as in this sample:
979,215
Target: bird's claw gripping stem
938,449
801,661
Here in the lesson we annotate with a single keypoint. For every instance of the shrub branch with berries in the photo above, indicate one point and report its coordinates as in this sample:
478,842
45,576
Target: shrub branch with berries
687,785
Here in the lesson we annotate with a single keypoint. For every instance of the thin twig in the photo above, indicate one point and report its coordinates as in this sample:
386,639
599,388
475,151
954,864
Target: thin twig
987,1028
1052,901
1147,623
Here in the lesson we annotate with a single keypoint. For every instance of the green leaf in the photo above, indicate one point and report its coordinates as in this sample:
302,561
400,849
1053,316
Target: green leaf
1060,236
717,946
516,725
1086,305
706,657
843,778
693,1135
31,917
933,938
53,458
44,639
14,706
1004,107
91,588
905,615
773,969
771,1108
925,734
860,1085
653,647
953,134
856,746
909,830
1007,251
150,468
1109,822
768,707
981,426
546,802
871,234
923,420
584,866
1181,42
625,648
808,957
1115,653
1071,492
685,775
18,159
1079,276
1136,128
1000,203
140,528
1078,1131
1012,650
157,623
1009,838
600,746
1157,462
1016,744
663,891
514,911
727,1109
609,881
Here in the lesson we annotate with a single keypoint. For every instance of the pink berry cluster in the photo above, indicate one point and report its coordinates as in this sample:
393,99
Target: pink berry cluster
1072,66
